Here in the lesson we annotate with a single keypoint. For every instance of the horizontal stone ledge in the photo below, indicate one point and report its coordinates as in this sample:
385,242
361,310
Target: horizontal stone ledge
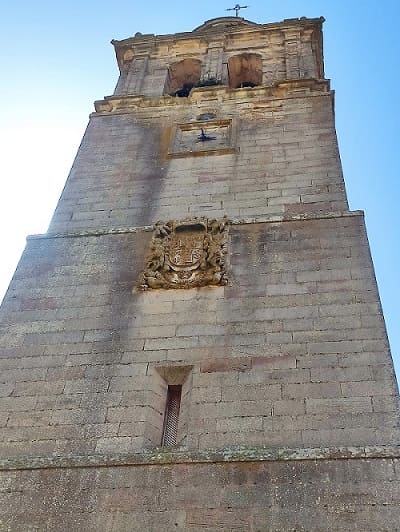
151,39
165,456
279,90
232,221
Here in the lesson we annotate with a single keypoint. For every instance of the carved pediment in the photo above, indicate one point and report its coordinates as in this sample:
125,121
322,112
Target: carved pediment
222,23
186,254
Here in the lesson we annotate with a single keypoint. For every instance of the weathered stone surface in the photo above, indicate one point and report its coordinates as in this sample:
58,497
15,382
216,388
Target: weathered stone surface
278,495
154,65
277,359
186,254
288,414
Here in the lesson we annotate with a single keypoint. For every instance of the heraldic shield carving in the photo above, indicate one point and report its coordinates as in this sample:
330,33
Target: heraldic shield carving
186,254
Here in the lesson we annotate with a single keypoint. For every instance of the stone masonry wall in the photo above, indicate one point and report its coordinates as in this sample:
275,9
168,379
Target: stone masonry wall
292,352
286,162
291,51
289,407
276,496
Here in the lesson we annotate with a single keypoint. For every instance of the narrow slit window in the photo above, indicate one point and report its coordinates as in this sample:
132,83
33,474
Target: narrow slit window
171,417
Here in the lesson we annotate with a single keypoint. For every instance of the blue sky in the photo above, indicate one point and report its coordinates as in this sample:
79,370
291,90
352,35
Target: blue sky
57,59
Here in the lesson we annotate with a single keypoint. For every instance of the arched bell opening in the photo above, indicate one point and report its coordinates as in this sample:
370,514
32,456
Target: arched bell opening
245,70
182,77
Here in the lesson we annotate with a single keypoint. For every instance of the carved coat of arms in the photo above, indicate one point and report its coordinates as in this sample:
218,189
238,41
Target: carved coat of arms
186,254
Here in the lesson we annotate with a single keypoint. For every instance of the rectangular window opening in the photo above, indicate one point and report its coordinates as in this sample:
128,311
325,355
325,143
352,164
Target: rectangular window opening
171,417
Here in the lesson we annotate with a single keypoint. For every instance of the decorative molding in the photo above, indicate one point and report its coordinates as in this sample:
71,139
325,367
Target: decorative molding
221,24
186,254
211,28
231,221
295,88
162,456
207,137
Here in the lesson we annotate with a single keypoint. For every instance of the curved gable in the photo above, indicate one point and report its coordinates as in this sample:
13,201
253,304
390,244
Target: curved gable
222,23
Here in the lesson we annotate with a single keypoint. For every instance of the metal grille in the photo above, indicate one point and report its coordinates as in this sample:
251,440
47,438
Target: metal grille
170,429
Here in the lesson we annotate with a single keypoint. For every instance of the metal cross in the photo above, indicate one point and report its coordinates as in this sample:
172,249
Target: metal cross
237,8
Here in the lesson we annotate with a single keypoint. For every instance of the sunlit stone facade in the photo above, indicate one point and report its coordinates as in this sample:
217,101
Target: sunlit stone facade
197,342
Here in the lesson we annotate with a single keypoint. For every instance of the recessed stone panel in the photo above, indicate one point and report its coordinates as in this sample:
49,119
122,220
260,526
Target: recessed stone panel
202,138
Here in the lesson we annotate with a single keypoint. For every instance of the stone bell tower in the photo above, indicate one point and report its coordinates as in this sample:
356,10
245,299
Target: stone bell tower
197,342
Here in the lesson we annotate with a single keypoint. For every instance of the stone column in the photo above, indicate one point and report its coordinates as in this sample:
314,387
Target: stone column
291,43
212,68
136,74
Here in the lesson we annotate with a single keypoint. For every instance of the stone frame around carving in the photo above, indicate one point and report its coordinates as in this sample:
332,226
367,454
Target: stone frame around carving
188,253
184,138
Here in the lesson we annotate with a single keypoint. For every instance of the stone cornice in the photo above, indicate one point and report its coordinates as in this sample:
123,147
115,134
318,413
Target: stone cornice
232,221
166,456
295,88
211,30
206,30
